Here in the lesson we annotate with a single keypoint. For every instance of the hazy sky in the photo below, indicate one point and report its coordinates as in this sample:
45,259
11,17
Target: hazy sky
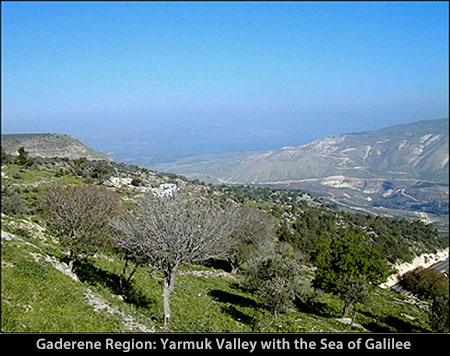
293,71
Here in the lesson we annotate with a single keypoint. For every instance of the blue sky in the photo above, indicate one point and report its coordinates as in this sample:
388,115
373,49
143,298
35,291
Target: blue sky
266,73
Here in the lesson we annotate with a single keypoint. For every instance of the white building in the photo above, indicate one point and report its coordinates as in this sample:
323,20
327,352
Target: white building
116,181
165,190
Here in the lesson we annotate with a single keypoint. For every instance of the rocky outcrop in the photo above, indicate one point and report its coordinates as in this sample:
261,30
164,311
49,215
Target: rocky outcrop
426,260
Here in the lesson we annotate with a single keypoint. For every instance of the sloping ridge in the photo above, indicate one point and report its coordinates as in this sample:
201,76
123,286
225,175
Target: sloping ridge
50,145
412,151
400,171
415,151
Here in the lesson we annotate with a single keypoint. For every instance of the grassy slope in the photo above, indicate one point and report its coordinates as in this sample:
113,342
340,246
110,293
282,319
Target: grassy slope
39,295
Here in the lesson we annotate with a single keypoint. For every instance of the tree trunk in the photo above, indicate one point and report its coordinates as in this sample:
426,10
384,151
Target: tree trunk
347,307
122,277
234,265
123,281
124,272
353,317
169,285
131,274
72,259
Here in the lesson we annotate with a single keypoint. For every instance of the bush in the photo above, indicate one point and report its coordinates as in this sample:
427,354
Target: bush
13,204
275,280
427,283
136,182
17,176
439,314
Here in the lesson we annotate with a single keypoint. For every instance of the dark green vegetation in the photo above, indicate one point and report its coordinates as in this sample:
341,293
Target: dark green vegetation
425,283
428,283
103,291
304,219
348,266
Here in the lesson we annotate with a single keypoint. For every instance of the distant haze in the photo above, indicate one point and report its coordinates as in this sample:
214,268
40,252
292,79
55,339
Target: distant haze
158,78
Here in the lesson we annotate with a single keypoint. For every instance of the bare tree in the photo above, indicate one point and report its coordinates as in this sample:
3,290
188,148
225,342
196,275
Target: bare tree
251,235
79,215
172,231
128,238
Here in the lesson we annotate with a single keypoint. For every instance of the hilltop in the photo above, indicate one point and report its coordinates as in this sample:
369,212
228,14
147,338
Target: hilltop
50,145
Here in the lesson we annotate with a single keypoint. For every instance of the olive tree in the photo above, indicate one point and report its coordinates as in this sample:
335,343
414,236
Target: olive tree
276,280
169,232
79,215
352,290
252,234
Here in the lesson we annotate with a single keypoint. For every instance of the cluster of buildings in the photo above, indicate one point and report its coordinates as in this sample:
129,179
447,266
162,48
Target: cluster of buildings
164,190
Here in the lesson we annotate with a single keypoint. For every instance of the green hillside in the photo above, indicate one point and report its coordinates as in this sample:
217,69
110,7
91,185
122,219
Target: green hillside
40,293
39,296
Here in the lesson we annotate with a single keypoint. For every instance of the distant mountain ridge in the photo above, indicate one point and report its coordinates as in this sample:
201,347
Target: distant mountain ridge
413,151
50,145
391,170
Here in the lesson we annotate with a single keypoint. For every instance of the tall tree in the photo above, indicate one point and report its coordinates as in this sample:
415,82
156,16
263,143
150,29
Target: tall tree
173,231
79,215
252,234
23,158
346,260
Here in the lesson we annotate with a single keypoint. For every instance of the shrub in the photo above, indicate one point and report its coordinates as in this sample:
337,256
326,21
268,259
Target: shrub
439,314
275,280
136,182
13,204
427,283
